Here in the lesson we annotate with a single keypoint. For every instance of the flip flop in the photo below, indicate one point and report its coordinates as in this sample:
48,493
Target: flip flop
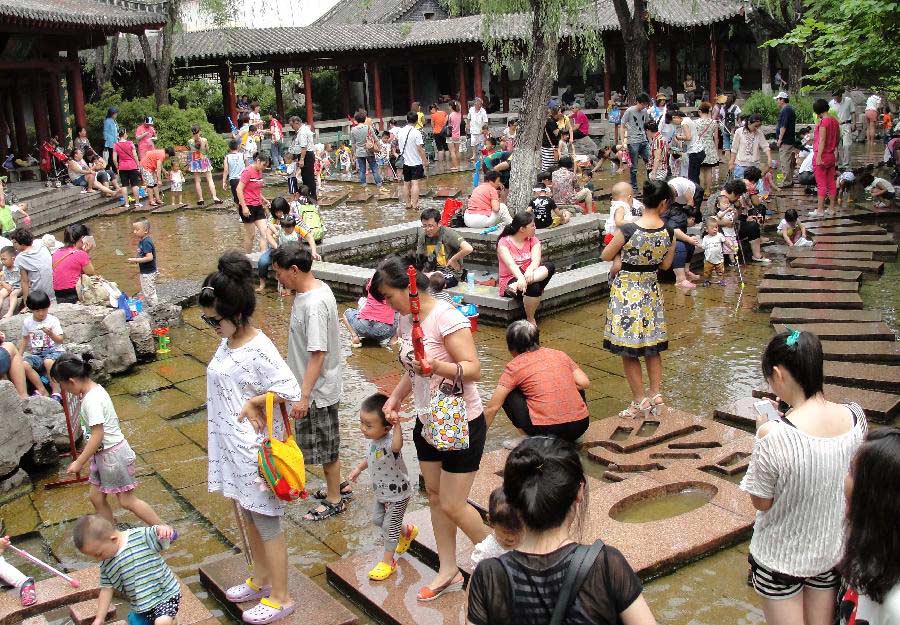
382,571
405,541
27,592
322,493
331,509
248,591
267,611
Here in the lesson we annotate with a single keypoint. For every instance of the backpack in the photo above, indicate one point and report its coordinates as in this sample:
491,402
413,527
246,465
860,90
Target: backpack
281,462
309,213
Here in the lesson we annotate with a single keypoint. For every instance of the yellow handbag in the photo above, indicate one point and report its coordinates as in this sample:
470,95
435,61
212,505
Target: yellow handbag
281,462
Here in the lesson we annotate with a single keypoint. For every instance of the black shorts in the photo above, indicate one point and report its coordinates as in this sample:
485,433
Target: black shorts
460,461
516,408
413,172
169,608
535,289
256,213
774,585
888,195
440,142
130,177
233,184
293,185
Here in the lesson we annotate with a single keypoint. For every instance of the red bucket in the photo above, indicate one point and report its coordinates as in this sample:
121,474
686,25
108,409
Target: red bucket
451,207
473,323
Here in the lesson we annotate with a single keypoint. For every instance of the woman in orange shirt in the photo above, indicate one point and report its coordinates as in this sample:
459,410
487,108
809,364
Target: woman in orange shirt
438,122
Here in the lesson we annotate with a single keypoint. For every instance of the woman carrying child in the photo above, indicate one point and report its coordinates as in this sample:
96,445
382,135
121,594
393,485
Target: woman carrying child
244,369
506,529
110,457
390,483
635,318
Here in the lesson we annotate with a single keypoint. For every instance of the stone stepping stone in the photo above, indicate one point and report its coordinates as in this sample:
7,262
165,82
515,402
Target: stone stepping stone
85,612
884,252
388,195
820,315
425,545
831,223
317,607
330,199
393,601
446,192
117,210
809,300
825,262
863,331
806,252
788,273
862,351
146,208
875,239
863,375
850,231
843,215
164,209
810,286
740,413
358,197
878,406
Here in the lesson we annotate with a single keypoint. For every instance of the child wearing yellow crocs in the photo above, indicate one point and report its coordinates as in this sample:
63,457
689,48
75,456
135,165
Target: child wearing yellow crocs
390,483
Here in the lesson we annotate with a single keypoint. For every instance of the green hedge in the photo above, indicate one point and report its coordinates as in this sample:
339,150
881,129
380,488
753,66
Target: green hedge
173,124
766,107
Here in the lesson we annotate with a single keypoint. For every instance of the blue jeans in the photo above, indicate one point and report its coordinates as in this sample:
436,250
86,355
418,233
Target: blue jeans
683,254
264,263
738,172
361,164
635,149
275,152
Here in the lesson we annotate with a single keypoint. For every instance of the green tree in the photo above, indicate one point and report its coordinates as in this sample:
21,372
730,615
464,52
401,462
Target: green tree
776,18
850,43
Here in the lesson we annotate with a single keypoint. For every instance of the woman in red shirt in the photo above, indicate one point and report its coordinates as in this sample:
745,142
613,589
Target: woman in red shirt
825,142
521,273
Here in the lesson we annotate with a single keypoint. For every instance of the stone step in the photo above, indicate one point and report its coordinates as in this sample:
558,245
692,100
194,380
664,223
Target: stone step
862,331
863,375
830,223
393,601
883,252
841,215
330,199
862,351
446,192
809,300
52,593
814,315
788,273
825,262
807,252
878,406
425,546
357,197
741,413
809,286
840,231
85,612
316,607
872,239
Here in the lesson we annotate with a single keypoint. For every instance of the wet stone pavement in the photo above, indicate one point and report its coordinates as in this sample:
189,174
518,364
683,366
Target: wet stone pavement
716,336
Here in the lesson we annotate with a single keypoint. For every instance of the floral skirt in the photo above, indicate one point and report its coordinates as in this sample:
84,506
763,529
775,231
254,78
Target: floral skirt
635,316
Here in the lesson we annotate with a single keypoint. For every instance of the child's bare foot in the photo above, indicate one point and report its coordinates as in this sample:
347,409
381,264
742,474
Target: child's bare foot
261,288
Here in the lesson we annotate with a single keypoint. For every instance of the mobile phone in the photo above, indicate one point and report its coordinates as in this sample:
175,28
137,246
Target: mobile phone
765,409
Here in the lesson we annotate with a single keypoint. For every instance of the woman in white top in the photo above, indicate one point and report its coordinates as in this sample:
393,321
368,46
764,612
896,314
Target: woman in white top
795,481
246,367
871,562
693,147
749,140
873,103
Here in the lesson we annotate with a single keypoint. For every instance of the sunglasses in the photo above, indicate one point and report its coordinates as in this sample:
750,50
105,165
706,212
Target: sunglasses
213,322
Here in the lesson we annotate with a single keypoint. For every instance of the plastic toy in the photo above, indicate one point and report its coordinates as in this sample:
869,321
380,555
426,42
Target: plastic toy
74,583
163,340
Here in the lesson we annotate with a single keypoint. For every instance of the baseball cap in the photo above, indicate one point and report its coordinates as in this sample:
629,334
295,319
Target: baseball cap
148,120
782,95
553,104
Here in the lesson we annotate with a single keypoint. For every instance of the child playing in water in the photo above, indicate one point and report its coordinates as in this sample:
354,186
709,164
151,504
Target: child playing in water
846,181
344,158
713,259
731,244
506,525
130,563
792,231
390,483
622,210
12,576
383,159
176,177
41,343
111,457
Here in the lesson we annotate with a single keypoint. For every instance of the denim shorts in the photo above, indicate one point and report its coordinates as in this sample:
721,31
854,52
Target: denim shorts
37,360
683,254
5,361
368,329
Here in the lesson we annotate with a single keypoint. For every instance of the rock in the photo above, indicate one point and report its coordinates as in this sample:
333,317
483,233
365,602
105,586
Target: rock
119,350
585,145
139,330
48,424
15,430
14,485
165,316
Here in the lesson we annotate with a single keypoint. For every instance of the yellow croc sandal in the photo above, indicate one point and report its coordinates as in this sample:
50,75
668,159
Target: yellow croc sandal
382,571
405,541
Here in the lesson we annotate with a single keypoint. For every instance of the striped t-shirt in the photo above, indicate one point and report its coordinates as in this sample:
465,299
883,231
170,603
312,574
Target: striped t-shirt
139,572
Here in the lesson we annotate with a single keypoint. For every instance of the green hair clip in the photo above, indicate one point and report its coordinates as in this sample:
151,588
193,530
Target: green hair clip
792,338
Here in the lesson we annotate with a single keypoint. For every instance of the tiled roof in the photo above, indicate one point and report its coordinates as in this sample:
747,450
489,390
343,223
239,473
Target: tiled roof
108,15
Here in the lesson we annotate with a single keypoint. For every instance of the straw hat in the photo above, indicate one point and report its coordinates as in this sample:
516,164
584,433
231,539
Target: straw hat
662,96
722,99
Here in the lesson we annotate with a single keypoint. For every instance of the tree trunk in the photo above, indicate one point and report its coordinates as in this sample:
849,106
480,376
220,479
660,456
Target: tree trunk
159,61
540,74
634,53
105,66
795,67
765,70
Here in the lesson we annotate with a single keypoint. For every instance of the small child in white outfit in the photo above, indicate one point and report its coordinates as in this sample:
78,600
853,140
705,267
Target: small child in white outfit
176,176
731,243
12,576
713,258
507,526
622,210
390,483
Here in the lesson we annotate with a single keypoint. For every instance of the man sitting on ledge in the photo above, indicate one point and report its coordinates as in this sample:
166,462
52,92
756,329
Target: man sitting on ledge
442,247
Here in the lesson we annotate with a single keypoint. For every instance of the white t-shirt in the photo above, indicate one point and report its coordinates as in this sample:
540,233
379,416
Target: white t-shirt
882,184
847,176
807,164
843,109
631,213
729,215
254,118
477,120
407,139
683,188
4,242
487,548
712,248
39,341
873,102
694,145
97,409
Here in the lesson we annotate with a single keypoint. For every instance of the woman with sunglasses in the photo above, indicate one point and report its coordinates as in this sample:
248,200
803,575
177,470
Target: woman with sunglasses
246,367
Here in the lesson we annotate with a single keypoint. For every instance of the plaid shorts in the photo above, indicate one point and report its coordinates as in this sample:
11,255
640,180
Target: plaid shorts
318,434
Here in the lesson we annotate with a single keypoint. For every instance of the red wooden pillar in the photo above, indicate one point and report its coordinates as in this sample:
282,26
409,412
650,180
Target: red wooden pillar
673,68
411,79
607,75
345,91
39,109
721,64
713,63
463,100
19,121
55,106
476,76
376,78
504,84
651,68
229,99
279,96
76,89
307,85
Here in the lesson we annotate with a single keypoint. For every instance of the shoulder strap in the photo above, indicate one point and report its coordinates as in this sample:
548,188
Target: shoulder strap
579,567
61,259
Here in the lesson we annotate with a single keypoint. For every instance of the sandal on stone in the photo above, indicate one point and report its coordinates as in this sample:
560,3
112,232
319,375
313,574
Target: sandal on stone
655,404
356,343
267,611
331,509
382,571
322,493
28,592
427,594
635,410
406,540
248,591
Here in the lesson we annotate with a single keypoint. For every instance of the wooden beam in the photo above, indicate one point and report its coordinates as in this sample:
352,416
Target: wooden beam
39,109
376,78
54,103
77,91
229,98
307,84
463,101
607,73
345,91
651,68
713,61
411,79
279,96
476,78
19,121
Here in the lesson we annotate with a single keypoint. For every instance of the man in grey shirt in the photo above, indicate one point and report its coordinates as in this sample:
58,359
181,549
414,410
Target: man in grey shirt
314,356
34,263
304,151
633,121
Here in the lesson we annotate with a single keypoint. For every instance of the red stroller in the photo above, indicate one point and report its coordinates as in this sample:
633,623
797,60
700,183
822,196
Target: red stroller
53,163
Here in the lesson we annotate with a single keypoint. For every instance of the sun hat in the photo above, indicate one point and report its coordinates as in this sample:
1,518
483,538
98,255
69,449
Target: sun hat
722,99
782,95
662,96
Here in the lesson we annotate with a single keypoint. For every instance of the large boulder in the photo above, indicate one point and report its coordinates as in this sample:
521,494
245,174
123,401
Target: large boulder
48,426
164,315
15,430
141,334
14,485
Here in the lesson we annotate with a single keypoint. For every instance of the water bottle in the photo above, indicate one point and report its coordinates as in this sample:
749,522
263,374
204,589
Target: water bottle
470,281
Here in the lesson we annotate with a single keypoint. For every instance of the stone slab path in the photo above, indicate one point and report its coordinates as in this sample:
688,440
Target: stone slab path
811,252
814,315
878,406
875,239
824,230
879,252
859,331
826,262
810,300
862,351
808,286
787,273
863,375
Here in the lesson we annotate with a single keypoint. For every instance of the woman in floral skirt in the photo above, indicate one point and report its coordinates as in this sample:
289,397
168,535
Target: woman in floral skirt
199,165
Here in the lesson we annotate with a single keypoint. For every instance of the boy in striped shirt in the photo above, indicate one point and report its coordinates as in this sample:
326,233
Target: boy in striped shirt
131,564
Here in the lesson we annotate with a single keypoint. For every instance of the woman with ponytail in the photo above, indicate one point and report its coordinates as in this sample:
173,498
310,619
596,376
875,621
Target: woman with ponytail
543,480
523,274
244,368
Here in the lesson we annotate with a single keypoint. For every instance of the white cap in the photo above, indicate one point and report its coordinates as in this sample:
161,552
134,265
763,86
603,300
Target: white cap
782,95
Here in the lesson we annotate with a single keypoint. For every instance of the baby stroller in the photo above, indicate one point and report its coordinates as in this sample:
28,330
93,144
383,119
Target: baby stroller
53,163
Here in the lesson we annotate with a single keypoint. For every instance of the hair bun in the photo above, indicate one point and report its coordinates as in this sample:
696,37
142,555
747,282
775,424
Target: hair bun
235,266
526,462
